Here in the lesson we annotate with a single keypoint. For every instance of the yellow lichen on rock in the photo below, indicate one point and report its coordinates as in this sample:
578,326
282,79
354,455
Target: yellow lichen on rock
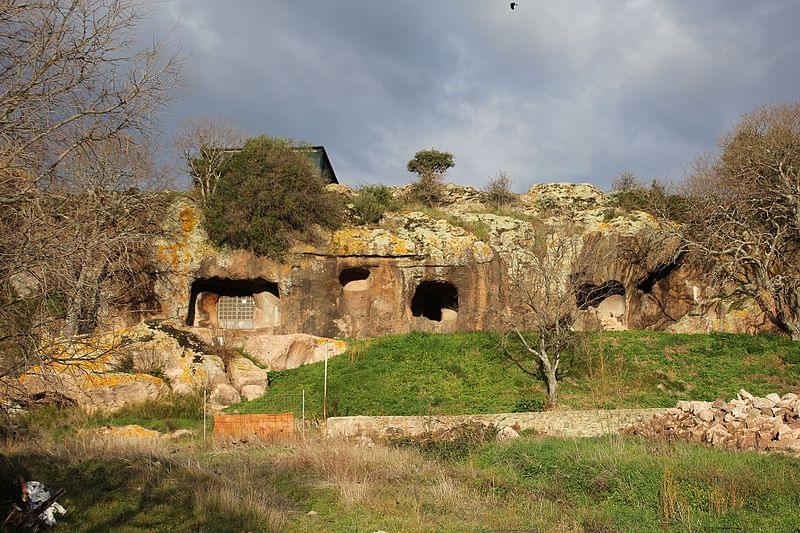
369,241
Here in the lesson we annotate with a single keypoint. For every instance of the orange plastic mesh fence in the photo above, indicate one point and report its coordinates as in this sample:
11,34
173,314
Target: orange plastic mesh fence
260,425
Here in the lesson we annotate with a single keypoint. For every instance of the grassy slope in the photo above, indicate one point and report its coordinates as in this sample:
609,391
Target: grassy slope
602,484
464,373
636,485
166,414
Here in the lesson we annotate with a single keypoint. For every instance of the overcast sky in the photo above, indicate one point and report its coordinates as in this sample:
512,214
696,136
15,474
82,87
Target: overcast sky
553,91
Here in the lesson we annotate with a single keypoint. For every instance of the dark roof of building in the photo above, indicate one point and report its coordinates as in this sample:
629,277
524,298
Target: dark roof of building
317,155
322,163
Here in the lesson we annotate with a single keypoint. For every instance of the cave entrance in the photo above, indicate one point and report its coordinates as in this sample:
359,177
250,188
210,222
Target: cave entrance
354,279
435,300
233,303
591,295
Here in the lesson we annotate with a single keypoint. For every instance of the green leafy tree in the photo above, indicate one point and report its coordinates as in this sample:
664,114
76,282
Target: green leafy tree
430,166
267,194
431,162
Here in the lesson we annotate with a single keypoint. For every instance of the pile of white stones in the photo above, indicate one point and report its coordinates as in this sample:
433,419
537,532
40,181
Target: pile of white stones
745,423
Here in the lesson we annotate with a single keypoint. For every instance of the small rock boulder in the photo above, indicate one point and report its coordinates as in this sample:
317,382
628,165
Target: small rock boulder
251,392
363,440
243,371
774,398
224,394
507,433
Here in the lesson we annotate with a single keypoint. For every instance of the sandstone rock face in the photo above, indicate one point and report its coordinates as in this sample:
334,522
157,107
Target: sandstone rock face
746,422
564,196
282,352
251,392
161,349
110,370
243,371
507,433
224,394
441,270
87,375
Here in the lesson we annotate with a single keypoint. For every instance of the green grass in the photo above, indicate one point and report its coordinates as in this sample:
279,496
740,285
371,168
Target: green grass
463,373
166,414
176,411
550,484
614,483
136,493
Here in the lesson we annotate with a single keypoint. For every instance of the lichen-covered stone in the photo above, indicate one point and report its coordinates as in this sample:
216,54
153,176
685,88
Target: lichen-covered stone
459,243
243,371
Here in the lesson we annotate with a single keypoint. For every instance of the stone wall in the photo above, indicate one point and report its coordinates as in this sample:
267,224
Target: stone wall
550,423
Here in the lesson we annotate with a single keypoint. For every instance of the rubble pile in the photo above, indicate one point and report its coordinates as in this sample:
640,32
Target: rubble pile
745,423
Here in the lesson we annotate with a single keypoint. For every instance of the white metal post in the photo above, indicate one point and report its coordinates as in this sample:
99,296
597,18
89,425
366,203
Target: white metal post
325,393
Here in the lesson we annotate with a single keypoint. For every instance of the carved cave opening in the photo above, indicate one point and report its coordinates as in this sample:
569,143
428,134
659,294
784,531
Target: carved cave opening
233,303
354,279
435,300
660,272
608,294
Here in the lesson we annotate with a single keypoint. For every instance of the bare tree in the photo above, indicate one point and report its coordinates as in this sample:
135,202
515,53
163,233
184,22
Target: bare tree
543,311
70,77
78,104
203,144
625,181
743,213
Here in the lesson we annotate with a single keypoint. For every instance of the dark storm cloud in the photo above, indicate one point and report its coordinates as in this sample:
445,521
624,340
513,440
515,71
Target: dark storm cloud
552,91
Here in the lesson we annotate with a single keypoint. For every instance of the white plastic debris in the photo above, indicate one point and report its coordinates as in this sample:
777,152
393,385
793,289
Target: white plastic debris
38,495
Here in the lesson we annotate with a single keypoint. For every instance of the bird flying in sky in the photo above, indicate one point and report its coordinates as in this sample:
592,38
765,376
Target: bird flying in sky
513,5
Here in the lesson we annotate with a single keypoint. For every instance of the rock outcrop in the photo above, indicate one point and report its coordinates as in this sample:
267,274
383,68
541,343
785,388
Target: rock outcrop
439,270
744,423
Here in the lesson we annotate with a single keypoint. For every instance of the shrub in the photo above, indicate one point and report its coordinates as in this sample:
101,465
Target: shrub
526,405
625,181
498,191
451,444
656,199
372,201
266,194
428,191
124,364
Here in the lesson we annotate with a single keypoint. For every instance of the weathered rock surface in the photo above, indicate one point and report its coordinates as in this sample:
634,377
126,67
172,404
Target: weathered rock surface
507,433
251,392
462,245
282,352
224,394
88,375
243,371
110,370
590,423
744,423
133,432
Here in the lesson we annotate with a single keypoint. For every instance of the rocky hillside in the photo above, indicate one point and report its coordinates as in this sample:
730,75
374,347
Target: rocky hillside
363,280
108,371
432,270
